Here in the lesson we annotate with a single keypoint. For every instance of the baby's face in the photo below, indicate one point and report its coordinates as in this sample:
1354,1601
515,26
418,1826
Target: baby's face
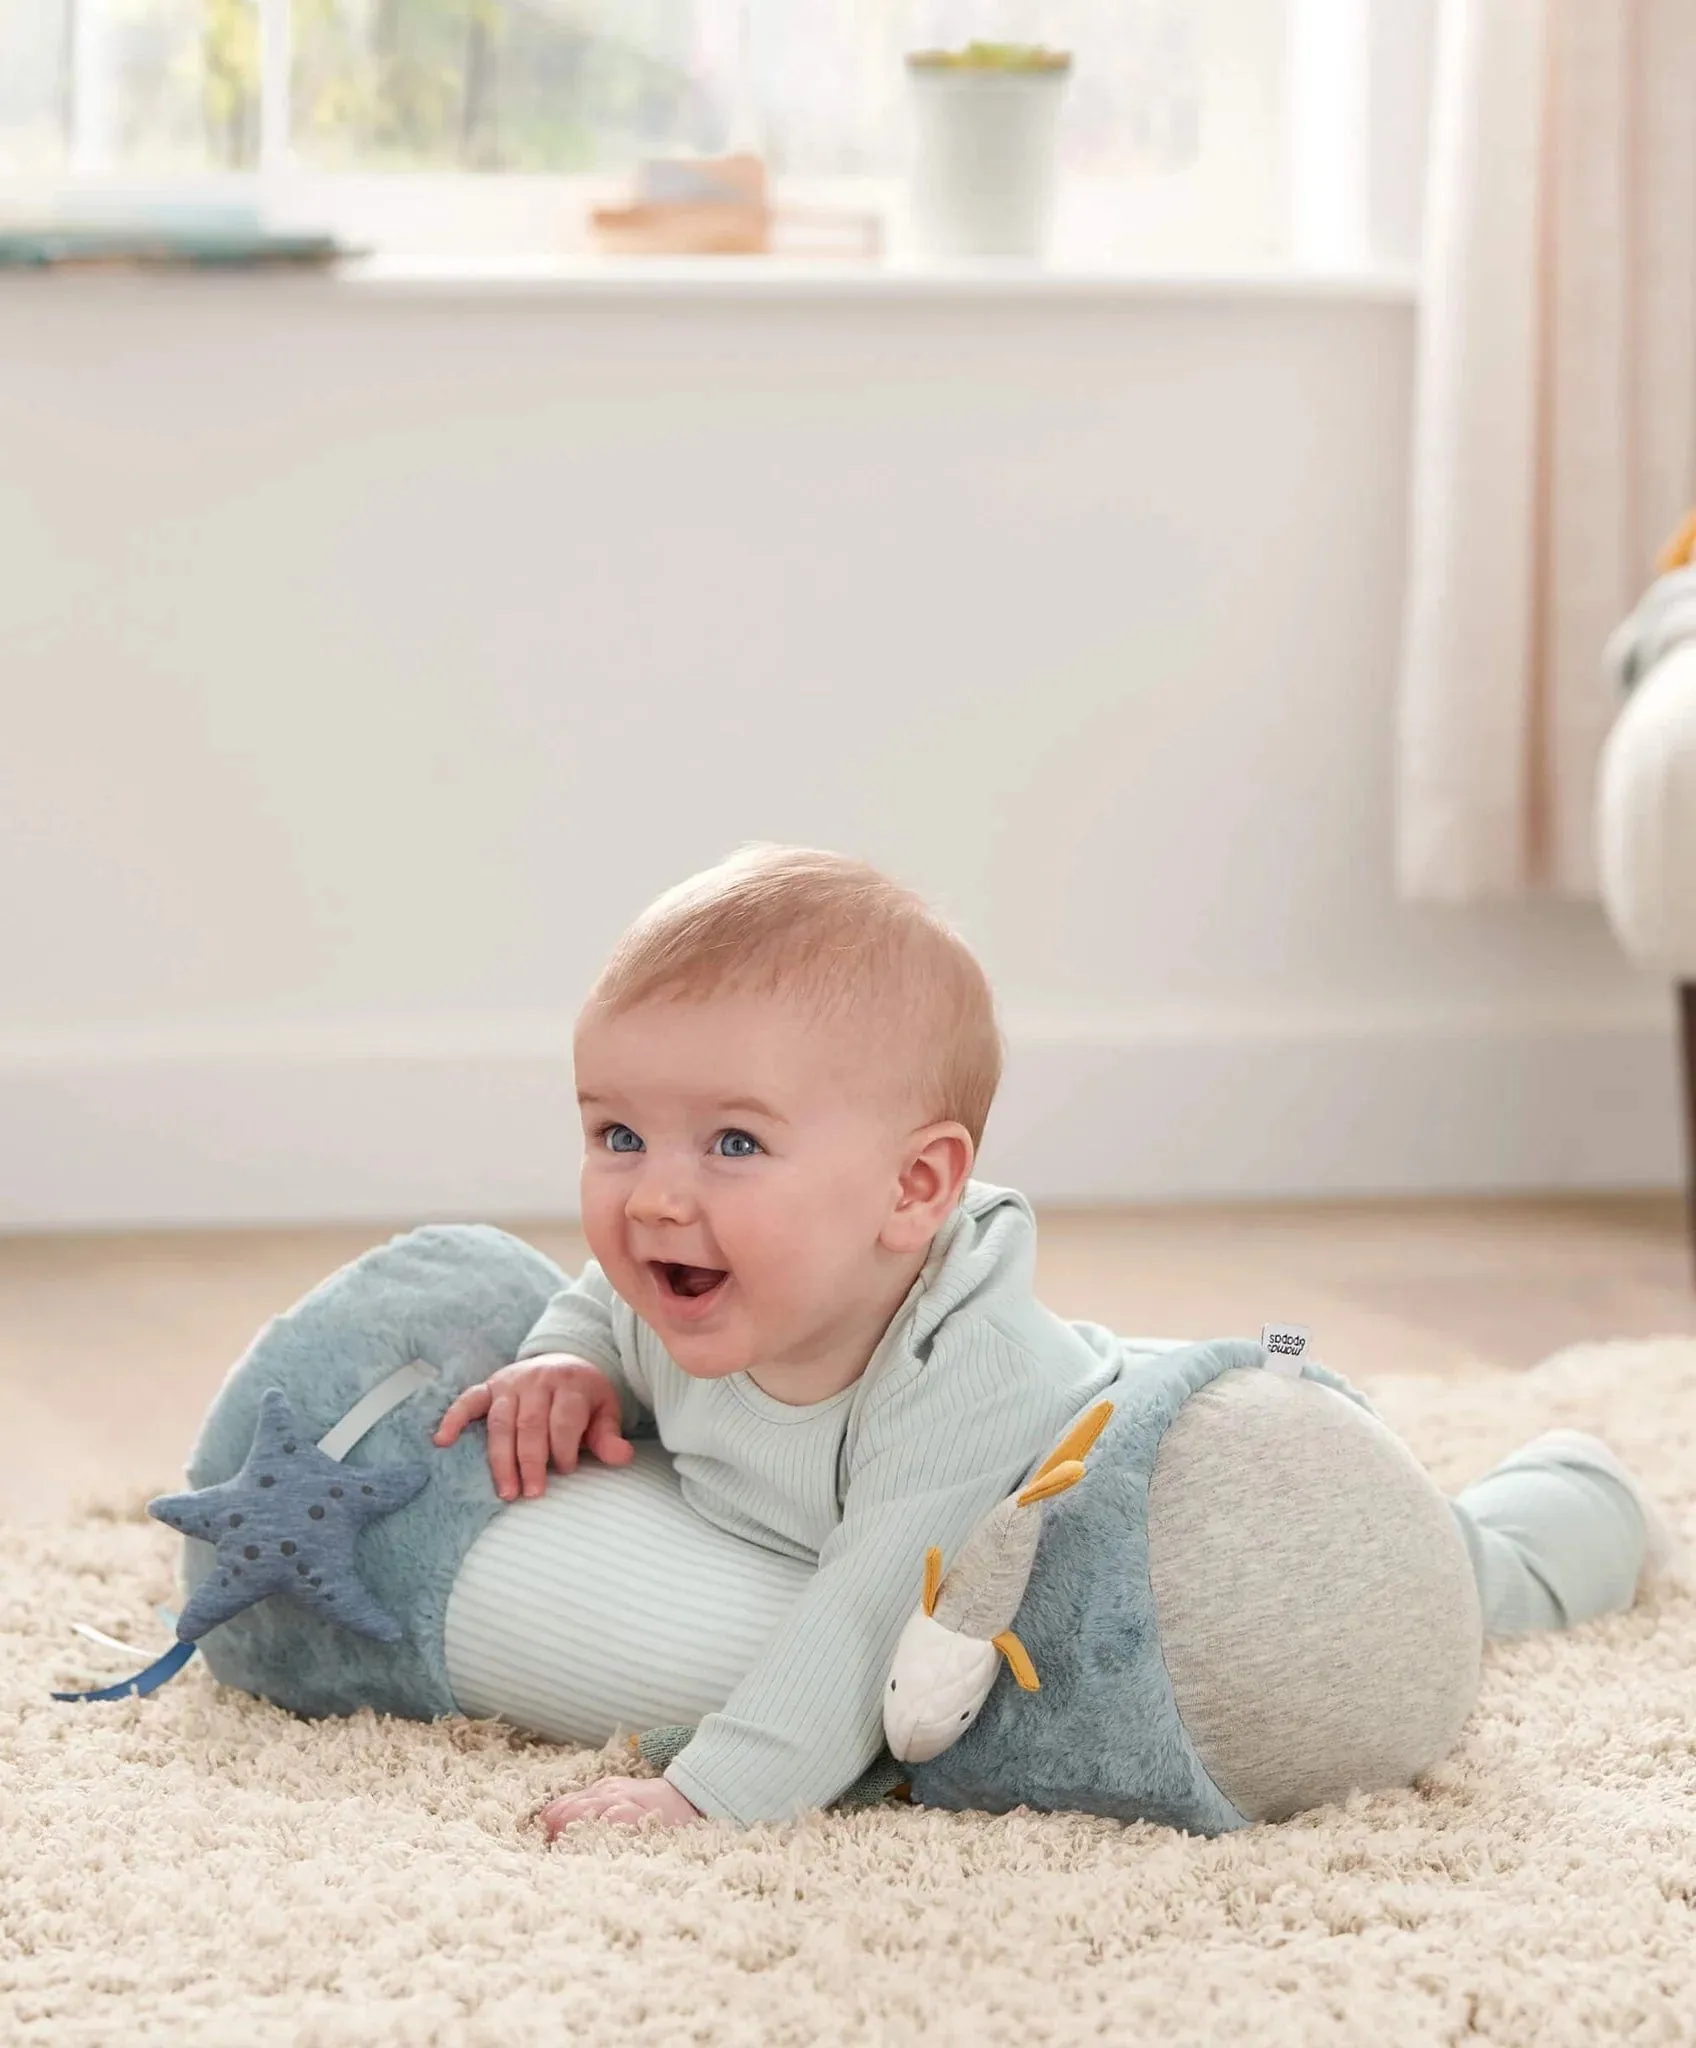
740,1163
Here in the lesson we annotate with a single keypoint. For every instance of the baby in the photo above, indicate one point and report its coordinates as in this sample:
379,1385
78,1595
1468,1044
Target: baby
784,1072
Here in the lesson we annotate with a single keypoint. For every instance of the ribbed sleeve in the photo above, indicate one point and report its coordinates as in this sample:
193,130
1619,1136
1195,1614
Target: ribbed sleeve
943,1439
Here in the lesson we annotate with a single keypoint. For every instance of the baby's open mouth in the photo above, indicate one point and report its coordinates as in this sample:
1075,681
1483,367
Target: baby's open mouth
689,1282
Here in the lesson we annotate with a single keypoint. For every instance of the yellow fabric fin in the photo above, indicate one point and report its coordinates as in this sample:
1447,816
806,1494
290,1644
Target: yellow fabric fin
1018,1659
933,1579
1677,552
1052,1480
1077,1440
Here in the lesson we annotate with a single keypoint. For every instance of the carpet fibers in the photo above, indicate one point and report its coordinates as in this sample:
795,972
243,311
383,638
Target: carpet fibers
200,1867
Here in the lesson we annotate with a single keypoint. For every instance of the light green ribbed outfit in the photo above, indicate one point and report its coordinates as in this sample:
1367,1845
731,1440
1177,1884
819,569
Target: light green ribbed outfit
972,1383
1554,1539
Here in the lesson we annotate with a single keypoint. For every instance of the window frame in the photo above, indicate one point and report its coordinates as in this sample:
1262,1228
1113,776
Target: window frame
1357,92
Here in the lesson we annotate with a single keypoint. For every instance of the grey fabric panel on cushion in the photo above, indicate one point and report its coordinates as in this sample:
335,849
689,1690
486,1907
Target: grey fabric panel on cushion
1317,1606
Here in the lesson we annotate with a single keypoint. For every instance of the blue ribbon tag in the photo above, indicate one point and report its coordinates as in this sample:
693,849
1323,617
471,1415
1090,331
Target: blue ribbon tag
144,1681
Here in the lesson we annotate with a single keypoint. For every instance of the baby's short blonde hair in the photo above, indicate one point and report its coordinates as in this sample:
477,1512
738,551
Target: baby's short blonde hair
839,936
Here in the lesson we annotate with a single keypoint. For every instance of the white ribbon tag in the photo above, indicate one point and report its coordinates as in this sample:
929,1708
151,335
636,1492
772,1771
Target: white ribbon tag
366,1413
1287,1344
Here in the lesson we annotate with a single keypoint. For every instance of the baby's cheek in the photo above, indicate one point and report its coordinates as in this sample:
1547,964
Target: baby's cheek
607,1248
793,1279
601,1215
786,1243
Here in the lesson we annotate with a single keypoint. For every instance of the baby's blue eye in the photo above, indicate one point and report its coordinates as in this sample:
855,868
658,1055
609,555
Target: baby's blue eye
736,1145
620,1138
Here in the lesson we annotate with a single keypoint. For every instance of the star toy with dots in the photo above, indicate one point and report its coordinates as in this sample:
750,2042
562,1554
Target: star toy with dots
285,1523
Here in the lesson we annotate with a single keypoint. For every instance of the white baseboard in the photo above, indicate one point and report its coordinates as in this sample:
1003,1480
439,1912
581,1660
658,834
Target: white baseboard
475,1118
1427,1107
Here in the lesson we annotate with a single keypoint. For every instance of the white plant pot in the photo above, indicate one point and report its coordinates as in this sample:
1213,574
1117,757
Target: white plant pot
985,150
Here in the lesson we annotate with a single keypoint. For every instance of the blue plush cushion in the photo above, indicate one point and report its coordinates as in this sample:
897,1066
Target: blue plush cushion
461,1298
1103,1734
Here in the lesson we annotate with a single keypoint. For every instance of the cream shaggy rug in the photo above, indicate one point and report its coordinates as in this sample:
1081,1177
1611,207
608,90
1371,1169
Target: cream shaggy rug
201,1868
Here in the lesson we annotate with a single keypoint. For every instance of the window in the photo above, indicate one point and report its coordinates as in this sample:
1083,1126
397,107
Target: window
1179,139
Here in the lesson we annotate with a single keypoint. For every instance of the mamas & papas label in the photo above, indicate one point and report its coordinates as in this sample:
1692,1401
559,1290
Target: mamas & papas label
1287,1344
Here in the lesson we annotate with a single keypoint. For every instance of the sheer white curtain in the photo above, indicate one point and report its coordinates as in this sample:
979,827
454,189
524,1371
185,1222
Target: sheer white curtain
1555,436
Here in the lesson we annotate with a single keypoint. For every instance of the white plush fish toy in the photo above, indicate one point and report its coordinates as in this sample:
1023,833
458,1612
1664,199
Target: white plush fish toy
949,1653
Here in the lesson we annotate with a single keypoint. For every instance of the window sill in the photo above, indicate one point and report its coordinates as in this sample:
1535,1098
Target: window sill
738,279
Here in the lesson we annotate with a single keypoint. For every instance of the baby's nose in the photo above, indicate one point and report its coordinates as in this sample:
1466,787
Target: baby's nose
660,1197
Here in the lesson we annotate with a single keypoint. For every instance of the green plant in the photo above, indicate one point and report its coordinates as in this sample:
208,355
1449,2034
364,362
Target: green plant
992,57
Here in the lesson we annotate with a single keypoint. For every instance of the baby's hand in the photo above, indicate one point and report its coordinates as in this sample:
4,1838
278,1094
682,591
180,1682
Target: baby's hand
629,1802
541,1408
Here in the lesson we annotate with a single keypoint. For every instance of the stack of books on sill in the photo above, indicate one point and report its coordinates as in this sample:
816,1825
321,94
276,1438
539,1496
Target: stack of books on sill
77,231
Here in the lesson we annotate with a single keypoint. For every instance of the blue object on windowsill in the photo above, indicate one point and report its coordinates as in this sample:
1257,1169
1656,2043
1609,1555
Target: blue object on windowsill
161,245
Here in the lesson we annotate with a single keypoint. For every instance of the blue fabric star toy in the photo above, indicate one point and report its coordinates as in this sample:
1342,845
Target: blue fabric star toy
286,1523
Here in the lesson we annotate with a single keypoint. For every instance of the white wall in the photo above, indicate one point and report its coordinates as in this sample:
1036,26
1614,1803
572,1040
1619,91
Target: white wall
370,656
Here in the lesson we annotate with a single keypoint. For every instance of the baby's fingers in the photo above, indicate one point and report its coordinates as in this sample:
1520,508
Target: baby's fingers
470,1405
565,1428
503,1456
606,1440
606,1799
533,1407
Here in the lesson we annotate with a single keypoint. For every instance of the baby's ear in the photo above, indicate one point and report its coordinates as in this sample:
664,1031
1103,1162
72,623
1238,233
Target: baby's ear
934,1172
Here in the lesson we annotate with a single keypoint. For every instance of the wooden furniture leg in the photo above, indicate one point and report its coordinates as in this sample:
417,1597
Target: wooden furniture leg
1687,1006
